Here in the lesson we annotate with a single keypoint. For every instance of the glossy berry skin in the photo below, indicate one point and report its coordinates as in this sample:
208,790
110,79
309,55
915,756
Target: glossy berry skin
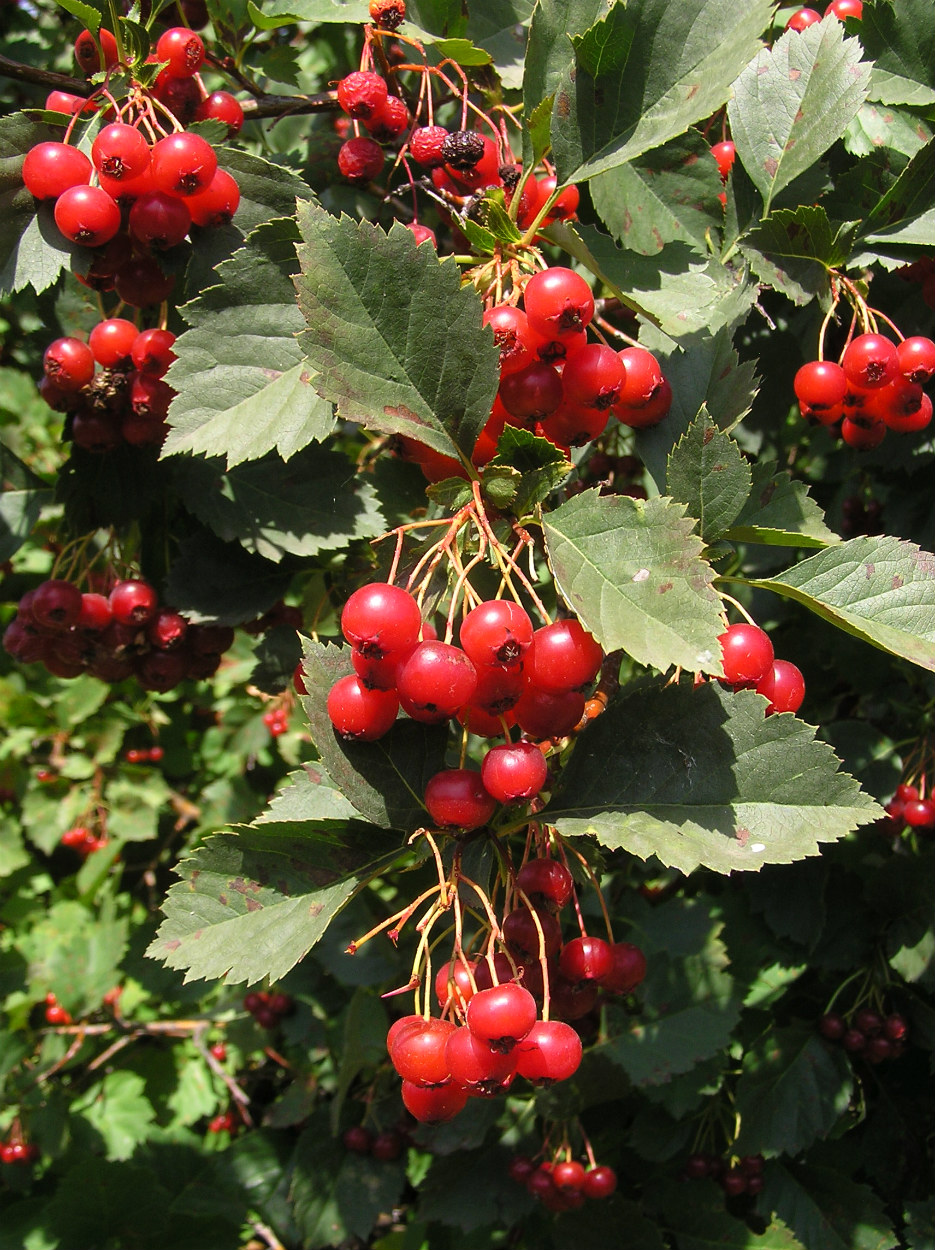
87,54
845,8
546,879
916,357
784,686
133,602
453,980
564,656
111,341
514,771
594,377
379,620
586,959
919,813
183,164
542,714
51,168
747,655
496,633
862,435
820,384
628,968
56,604
531,393
435,681
599,1182
183,49
120,151
69,364
95,613
456,799
418,1053
870,360
159,220
433,1105
502,1015
558,302
550,1051
801,19
360,160
217,204
476,1065
643,377
724,154
511,335
360,714
152,352
87,215
221,106
521,934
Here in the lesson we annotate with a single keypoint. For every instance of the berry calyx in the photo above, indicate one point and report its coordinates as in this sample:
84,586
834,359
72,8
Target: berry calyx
496,633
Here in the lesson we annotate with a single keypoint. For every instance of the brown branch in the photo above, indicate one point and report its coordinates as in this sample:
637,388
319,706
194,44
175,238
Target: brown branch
44,77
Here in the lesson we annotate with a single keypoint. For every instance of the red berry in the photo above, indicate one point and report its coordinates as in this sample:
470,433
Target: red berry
820,384
870,360
52,168
223,107
418,1052
360,160
425,144
159,220
89,57
734,1182
69,364
919,813
558,302
133,602
358,1140
531,393
183,49
784,687
502,1015
565,206
547,879
453,980
550,1051
511,336
563,657
87,215
594,377
568,1175
111,341
359,713
55,604
724,154
514,771
388,1145
845,8
217,204
434,1105
380,619
895,1027
641,416
95,612
599,1182
55,1014
498,632
521,934
389,120
183,164
361,94
121,152
801,19
476,1065
747,655
862,435
456,799
542,714
916,358
628,968
586,959
878,1048
435,681
65,102
853,1041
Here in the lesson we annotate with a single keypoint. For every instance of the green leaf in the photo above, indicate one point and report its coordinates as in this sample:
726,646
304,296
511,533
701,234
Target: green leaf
540,463
76,952
920,1226
276,13
704,777
779,512
251,904
13,854
549,52
244,389
398,343
23,495
793,1089
310,795
490,1199
909,195
217,581
312,504
643,74
703,1223
385,780
887,88
365,1025
33,252
689,1007
677,289
793,101
119,1111
705,373
707,472
668,195
826,1209
880,589
900,39
632,570
878,126
499,27
793,250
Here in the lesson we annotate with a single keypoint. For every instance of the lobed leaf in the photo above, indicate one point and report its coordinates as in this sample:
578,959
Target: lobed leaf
793,101
643,74
825,1208
793,250
708,473
704,777
779,512
398,343
880,589
632,570
253,903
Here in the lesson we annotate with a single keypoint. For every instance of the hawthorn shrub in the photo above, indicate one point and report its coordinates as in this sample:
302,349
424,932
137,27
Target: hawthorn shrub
467,625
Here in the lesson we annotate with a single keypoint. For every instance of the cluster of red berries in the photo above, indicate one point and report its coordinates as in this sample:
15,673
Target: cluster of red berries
384,1146
744,1176
17,1151
126,399
907,807
55,1013
85,841
877,386
224,1122
504,673
143,755
276,720
867,1033
115,636
749,664
801,19
150,190
563,1184
268,1008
